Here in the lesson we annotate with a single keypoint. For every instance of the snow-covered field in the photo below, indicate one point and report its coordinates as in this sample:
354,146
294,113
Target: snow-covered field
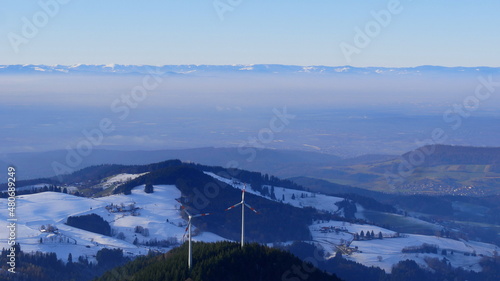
386,252
116,180
54,208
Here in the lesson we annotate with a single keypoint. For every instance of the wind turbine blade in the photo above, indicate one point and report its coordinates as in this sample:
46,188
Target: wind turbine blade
183,207
249,207
201,215
234,206
183,236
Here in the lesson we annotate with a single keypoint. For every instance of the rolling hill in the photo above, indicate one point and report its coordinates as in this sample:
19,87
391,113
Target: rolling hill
220,261
431,170
448,170
142,222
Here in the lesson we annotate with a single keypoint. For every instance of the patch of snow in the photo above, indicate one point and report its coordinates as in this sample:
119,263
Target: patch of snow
343,69
284,195
247,68
118,179
308,69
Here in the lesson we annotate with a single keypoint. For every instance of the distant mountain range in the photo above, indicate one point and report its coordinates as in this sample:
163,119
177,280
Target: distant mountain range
118,69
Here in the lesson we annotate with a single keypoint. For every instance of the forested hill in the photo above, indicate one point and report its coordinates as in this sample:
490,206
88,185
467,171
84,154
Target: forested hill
202,193
458,155
217,262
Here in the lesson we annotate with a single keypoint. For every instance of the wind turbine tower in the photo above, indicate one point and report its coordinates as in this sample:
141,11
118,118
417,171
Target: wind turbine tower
188,230
243,204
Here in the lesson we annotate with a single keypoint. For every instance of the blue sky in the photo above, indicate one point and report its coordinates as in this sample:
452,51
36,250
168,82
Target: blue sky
158,32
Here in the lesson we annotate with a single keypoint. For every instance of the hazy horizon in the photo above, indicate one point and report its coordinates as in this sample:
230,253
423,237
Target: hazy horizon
346,114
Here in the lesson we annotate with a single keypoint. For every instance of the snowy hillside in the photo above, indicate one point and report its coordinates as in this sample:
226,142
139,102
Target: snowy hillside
333,236
117,180
158,213
141,222
296,198
388,251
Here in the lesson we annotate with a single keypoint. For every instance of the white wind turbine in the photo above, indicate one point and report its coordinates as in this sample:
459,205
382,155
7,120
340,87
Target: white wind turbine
188,230
243,204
